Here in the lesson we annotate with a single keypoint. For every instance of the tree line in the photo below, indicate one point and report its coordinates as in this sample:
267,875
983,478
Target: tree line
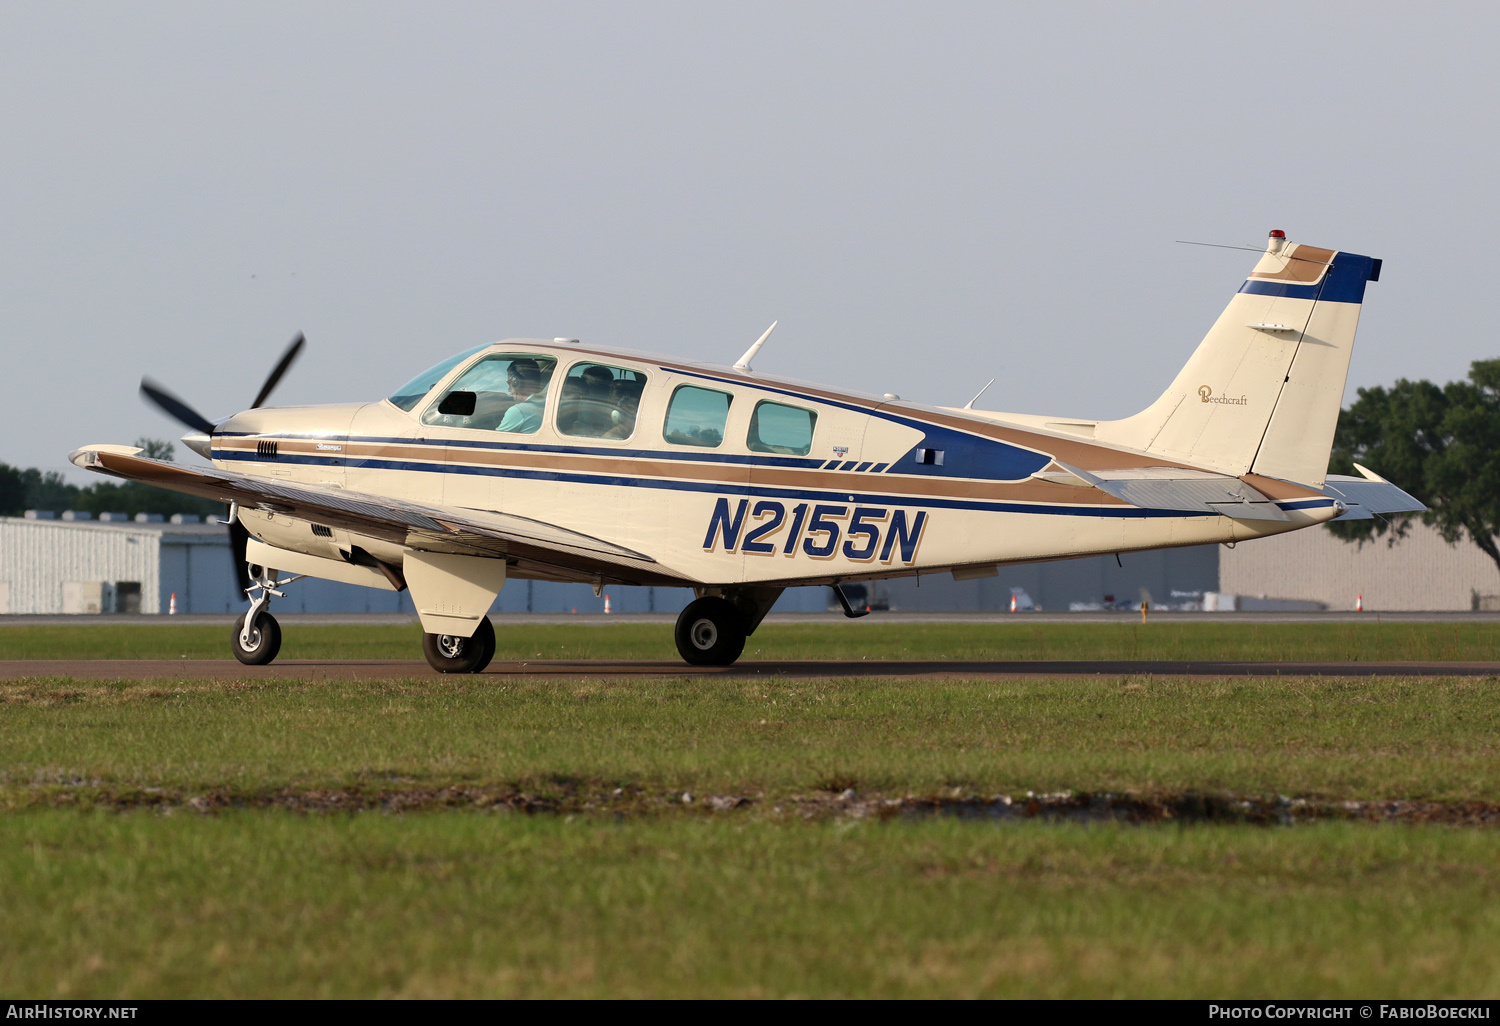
31,488
1441,443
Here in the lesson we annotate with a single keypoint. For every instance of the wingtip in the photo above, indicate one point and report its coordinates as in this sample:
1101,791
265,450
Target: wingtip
87,457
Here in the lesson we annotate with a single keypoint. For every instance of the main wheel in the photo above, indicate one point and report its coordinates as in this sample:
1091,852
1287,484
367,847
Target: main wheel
450,653
265,640
710,632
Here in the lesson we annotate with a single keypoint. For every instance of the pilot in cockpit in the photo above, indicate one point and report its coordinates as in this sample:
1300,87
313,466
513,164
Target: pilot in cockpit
525,382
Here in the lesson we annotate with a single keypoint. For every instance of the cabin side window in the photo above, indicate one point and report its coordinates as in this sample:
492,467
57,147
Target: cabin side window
505,392
696,416
599,401
778,428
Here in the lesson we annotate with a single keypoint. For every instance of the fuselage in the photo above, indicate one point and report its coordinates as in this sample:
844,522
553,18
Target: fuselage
728,477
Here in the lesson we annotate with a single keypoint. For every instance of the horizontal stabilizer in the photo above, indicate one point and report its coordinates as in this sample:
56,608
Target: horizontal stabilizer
1177,489
1369,495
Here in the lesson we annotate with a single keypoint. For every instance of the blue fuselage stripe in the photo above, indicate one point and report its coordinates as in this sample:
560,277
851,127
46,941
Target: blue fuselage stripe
764,491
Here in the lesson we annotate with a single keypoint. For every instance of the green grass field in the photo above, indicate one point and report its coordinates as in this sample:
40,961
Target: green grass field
471,905
1433,738
195,838
1161,638
113,885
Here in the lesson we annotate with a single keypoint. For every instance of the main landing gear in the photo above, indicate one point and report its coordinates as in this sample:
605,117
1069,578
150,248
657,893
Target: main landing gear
451,653
257,635
712,630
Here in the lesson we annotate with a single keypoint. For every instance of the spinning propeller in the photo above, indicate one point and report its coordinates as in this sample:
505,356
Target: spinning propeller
175,408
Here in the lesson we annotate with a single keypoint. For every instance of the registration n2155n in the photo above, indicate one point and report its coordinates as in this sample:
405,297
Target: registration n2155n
820,530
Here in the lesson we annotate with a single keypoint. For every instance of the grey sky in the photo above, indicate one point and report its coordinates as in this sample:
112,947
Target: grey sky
926,195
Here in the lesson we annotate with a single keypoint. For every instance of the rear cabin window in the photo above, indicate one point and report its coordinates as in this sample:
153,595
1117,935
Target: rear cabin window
696,416
777,428
599,401
505,392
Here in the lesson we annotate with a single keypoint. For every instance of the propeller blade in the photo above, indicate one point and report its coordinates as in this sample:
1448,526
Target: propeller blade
175,407
238,539
281,368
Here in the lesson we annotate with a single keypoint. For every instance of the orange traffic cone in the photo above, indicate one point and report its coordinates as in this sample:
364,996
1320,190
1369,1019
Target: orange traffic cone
1012,603
606,605
172,605
1359,603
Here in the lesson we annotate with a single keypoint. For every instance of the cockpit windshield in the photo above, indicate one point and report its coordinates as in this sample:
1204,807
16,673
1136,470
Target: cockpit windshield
411,393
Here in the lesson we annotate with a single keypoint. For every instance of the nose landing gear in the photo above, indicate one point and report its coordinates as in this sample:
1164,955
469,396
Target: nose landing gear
257,636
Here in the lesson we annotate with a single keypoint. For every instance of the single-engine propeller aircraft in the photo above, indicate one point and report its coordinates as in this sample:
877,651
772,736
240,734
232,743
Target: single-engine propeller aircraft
558,461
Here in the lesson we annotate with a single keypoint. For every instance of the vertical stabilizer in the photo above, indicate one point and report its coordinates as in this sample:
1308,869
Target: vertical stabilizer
1262,391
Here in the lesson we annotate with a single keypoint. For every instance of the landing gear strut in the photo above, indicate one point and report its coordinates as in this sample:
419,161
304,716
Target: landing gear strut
710,632
257,635
452,653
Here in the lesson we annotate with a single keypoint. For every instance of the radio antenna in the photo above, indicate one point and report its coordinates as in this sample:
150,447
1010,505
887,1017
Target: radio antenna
970,404
743,363
1250,249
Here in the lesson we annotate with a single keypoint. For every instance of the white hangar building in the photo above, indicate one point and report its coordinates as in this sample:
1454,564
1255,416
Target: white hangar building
117,565
135,566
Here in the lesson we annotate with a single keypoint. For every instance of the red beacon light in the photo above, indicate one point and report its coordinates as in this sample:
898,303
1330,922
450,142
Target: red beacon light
1277,233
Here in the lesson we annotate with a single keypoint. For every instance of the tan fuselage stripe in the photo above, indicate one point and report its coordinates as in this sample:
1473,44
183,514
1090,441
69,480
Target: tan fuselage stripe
1082,454
442,456
848,482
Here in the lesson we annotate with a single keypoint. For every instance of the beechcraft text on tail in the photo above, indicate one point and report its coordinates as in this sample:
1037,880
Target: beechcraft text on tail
552,460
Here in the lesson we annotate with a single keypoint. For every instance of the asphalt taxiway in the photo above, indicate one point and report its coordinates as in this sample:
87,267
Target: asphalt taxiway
504,620
385,669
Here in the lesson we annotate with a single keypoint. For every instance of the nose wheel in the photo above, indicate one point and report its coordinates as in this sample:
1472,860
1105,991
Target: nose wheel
452,653
710,632
258,645
257,636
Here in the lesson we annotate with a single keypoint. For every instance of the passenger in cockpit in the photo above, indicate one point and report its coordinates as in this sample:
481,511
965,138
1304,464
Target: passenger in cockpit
625,394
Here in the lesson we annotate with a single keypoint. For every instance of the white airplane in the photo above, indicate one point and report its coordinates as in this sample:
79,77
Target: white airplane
557,461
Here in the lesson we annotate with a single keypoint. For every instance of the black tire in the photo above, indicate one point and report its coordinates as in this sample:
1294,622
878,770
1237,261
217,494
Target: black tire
265,640
710,632
447,653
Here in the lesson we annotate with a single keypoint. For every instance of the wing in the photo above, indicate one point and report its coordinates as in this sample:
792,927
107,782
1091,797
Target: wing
534,548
